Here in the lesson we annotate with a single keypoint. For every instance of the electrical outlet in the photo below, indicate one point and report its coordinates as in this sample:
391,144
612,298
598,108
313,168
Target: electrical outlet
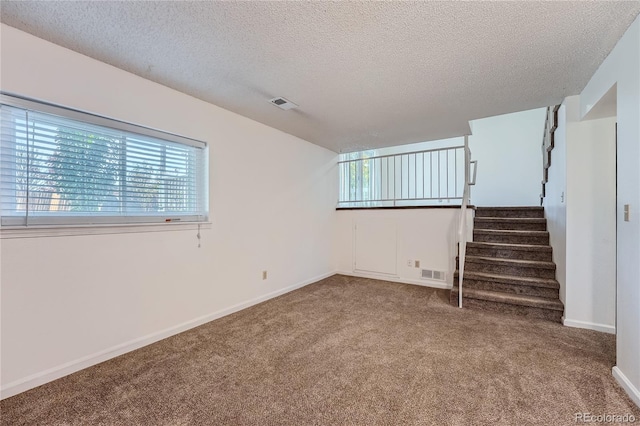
409,263
417,263
264,275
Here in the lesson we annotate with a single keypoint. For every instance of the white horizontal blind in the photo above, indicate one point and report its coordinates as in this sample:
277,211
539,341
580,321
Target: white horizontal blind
56,170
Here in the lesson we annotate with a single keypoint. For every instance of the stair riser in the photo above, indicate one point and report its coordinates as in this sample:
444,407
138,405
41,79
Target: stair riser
515,226
511,213
518,271
550,293
493,283
510,254
523,311
540,240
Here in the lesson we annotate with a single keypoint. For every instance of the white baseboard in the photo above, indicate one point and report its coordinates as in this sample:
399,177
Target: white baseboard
65,369
626,384
589,325
396,279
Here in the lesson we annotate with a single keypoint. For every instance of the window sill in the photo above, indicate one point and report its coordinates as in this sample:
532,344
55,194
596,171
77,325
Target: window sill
7,232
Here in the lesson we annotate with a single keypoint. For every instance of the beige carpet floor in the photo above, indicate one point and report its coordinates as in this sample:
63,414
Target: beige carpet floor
344,351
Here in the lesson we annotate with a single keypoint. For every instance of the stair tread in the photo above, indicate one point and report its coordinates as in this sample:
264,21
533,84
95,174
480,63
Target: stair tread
510,279
512,208
510,231
507,290
513,299
514,262
511,219
510,246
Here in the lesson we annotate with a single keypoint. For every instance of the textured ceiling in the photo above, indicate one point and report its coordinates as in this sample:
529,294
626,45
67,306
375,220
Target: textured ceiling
365,74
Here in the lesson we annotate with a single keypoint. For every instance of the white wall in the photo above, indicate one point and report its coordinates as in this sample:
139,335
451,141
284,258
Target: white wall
427,235
70,301
591,220
420,146
507,148
622,68
555,207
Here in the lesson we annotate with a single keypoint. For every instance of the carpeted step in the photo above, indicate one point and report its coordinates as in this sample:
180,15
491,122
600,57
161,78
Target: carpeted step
509,265
510,212
510,251
518,223
511,237
514,267
522,305
541,287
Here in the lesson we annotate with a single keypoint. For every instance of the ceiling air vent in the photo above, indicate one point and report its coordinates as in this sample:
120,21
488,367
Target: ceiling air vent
283,103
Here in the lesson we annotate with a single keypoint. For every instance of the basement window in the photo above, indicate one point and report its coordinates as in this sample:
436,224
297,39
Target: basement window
65,167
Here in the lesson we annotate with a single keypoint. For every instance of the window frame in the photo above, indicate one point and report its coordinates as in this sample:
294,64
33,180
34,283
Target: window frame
87,219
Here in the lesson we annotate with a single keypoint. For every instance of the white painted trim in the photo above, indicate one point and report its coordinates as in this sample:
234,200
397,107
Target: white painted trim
604,328
396,279
377,274
626,384
96,229
65,369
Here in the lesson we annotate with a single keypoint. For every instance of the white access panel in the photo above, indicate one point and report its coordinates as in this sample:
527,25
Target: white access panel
375,246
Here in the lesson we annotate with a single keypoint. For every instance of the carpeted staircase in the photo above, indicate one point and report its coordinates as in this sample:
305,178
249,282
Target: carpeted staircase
508,265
